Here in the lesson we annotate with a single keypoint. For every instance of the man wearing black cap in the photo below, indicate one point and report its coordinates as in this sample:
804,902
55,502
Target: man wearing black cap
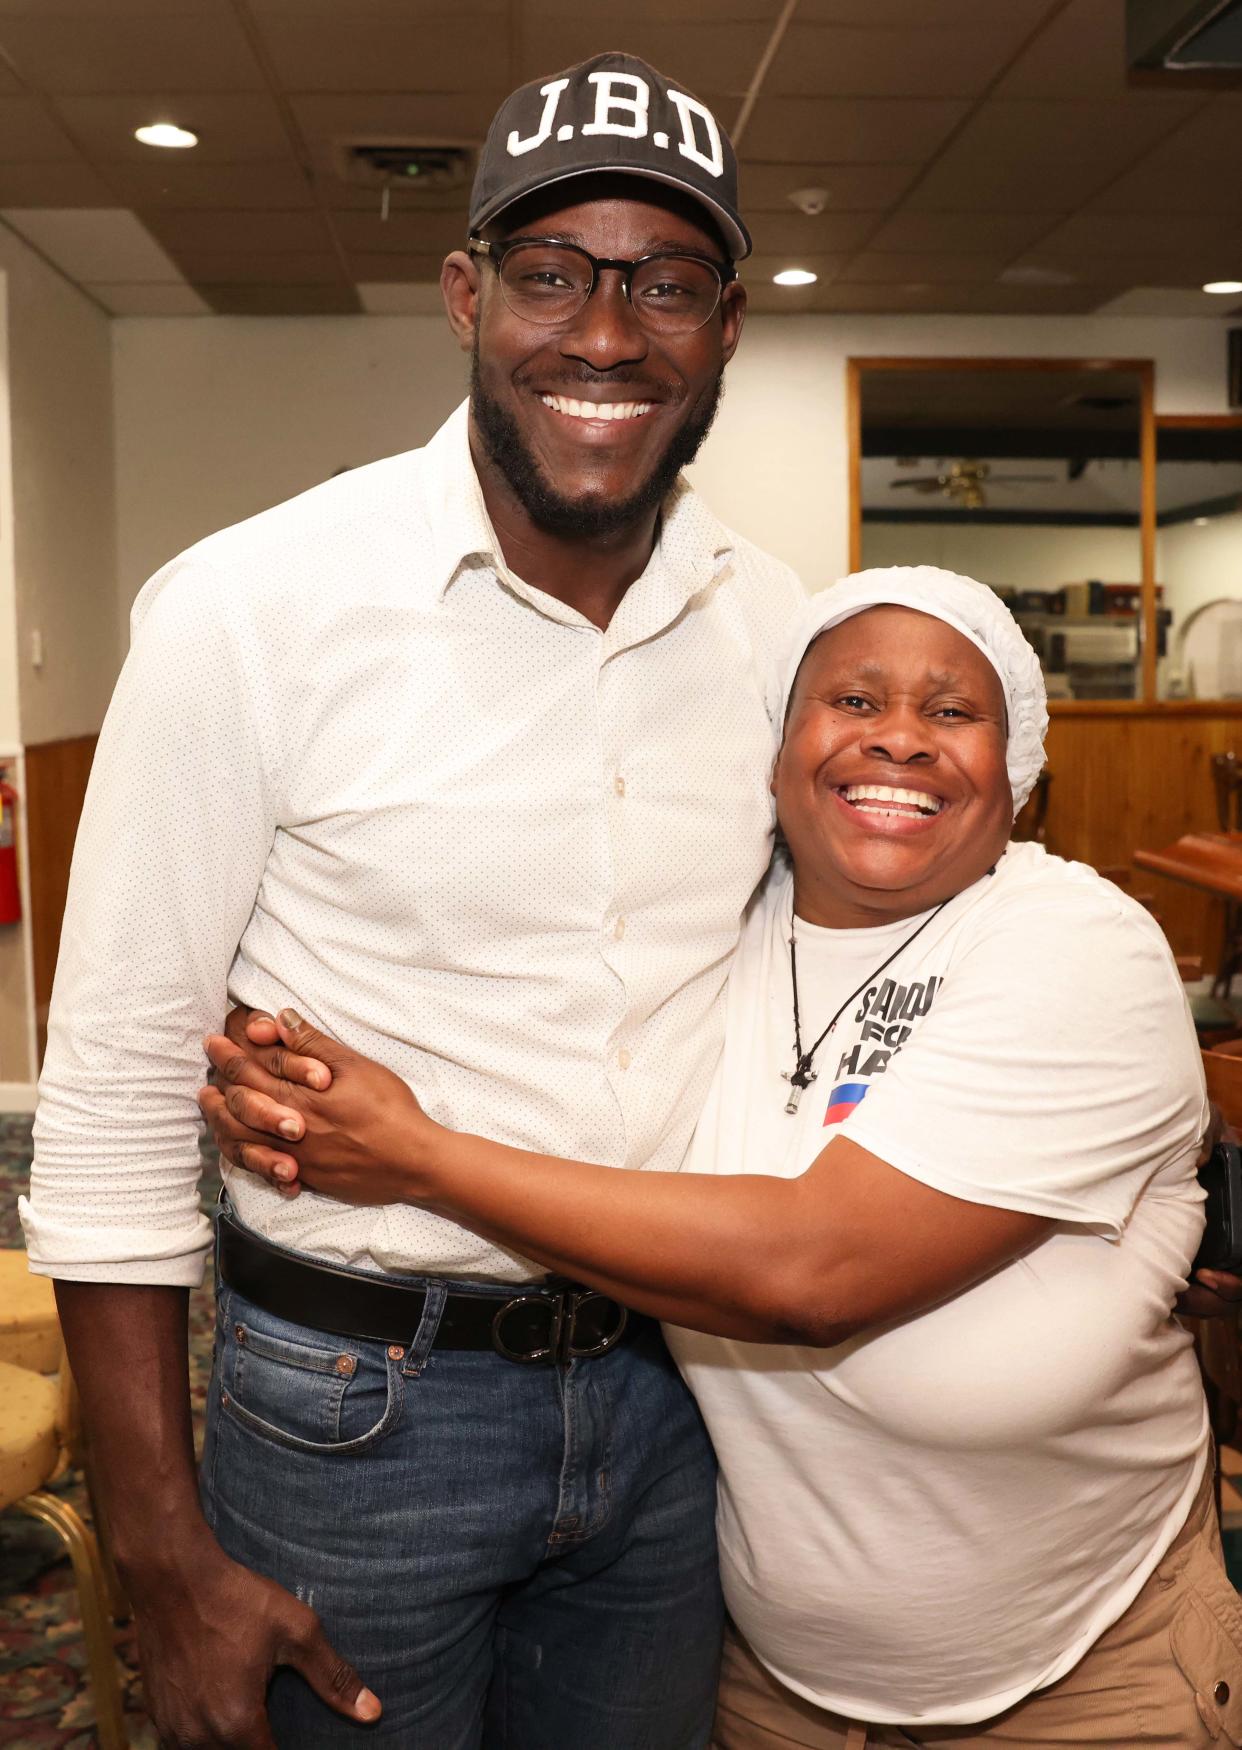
465,754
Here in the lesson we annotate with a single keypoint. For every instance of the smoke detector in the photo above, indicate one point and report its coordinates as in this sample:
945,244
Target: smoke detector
810,201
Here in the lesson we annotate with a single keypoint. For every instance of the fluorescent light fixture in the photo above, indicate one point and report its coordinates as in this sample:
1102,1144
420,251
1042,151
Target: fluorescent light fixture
166,134
794,276
1224,288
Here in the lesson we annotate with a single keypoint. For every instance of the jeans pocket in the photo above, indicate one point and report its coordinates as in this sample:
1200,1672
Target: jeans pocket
1206,1638
304,1389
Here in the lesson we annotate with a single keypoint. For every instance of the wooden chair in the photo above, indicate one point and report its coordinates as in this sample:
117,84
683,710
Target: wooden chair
38,1430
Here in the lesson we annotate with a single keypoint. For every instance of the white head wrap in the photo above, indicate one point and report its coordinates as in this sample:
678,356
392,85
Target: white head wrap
972,609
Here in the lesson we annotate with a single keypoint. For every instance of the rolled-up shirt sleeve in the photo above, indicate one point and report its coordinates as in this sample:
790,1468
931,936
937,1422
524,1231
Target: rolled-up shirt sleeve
179,818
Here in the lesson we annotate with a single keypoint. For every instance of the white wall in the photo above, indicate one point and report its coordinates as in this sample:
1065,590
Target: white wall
57,559
219,416
777,466
63,505
1034,556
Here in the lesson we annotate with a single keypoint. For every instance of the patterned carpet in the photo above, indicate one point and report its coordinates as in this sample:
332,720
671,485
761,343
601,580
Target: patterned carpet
45,1698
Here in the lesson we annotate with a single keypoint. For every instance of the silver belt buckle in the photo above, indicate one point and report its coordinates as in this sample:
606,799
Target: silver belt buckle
563,1310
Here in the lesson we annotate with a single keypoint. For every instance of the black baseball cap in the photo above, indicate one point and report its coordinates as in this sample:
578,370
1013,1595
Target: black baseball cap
615,113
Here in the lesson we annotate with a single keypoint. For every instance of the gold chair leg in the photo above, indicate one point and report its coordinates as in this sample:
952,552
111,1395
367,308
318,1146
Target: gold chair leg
69,1526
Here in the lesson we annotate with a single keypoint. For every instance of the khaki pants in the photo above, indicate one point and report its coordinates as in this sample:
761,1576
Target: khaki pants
1167,1674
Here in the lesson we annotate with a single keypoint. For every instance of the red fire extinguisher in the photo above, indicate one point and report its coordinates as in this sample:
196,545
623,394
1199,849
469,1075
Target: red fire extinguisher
10,892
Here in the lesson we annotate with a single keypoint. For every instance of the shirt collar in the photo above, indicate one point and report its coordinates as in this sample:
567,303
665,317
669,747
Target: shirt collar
692,548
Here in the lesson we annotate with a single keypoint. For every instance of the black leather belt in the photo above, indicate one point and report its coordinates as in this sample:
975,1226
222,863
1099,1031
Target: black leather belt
552,1322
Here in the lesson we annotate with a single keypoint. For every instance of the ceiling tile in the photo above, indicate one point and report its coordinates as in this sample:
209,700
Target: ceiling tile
964,233
1104,234
345,51
624,14
938,268
327,119
707,57
1198,169
401,233
181,179
150,300
825,234
928,60
382,299
1121,271
318,14
183,52
390,269
1080,52
980,15
28,135
282,300
1168,301
851,188
72,184
101,8
236,268
1034,156
218,231
334,191
811,130
231,129
95,244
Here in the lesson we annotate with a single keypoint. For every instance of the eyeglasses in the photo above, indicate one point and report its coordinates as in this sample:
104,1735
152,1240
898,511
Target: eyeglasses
542,280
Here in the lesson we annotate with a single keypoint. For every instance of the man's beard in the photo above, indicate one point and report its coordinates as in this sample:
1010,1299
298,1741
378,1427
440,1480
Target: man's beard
547,508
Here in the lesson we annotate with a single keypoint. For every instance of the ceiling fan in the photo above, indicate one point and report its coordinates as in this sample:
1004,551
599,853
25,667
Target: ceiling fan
964,482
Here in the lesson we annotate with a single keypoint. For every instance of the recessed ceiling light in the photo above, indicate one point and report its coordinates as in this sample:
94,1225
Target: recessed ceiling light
794,276
1224,288
166,134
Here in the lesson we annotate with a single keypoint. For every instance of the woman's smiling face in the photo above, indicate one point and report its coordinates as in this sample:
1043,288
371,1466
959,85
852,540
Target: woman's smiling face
890,786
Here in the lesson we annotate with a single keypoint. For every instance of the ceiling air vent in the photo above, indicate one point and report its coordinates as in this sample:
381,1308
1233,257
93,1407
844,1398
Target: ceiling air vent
397,163
1184,35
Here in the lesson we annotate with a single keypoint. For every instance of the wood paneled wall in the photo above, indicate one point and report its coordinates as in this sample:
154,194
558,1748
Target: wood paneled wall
1136,780
56,774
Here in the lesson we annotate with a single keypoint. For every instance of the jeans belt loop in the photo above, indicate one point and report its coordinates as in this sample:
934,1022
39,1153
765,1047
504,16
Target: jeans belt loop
425,1335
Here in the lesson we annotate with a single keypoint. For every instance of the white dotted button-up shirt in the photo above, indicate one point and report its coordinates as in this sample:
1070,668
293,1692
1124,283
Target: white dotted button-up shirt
355,765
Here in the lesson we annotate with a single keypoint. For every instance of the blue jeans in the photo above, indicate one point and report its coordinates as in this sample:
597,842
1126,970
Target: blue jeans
513,1557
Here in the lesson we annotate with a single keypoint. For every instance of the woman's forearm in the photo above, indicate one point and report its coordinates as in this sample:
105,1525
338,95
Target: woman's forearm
715,1254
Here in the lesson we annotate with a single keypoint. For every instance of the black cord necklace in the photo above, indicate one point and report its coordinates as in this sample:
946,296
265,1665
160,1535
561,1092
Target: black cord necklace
802,1075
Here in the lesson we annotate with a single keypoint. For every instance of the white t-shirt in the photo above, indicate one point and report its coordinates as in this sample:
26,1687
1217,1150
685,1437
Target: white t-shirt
928,1522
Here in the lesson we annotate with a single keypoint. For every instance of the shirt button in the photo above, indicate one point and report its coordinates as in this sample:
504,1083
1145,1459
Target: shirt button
623,1058
618,784
618,930
1220,1695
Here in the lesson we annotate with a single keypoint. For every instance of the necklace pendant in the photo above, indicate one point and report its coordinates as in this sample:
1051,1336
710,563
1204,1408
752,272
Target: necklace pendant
798,1079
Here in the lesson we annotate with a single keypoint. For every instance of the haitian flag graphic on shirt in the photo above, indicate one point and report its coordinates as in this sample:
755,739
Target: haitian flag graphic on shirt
887,1014
842,1101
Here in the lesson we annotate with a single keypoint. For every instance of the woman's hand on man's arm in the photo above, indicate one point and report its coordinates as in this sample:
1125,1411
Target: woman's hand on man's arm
296,1108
